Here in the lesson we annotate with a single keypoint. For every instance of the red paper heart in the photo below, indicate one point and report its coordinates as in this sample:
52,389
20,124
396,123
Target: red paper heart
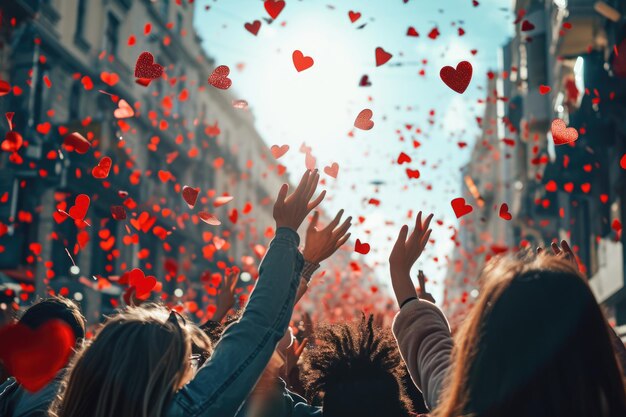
362,248
504,212
208,218
5,88
364,120
143,284
561,134
118,212
234,214
460,207
76,142
402,158
35,356
219,78
253,27
382,56
190,195
544,89
365,82
527,26
12,142
109,78
457,79
300,61
124,110
222,200
332,170
412,173
146,68
412,32
274,8
102,169
278,151
354,16
144,82
79,210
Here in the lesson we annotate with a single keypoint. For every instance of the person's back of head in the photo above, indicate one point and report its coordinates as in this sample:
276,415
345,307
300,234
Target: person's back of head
356,370
132,367
535,344
58,308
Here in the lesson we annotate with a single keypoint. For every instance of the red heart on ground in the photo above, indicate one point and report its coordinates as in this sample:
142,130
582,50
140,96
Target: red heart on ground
35,356
362,248
460,207
190,195
457,79
561,134
146,68
354,16
504,212
411,32
12,142
208,218
79,210
364,120
278,151
274,7
301,62
219,78
76,142
402,158
382,56
102,169
124,110
332,170
365,82
253,27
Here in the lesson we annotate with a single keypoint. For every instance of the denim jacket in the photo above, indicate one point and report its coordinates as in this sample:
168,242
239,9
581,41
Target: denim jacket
238,360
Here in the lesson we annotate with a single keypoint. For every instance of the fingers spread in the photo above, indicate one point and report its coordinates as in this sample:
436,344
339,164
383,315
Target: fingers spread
555,248
342,240
317,201
401,240
335,221
314,220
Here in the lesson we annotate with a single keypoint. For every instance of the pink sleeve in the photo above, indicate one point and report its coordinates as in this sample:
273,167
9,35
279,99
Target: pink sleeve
425,342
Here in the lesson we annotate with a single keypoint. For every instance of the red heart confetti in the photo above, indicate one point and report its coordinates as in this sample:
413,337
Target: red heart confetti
460,207
382,56
222,200
504,212
5,88
561,134
208,218
253,27
362,248
412,32
124,110
146,68
278,151
76,142
301,62
412,173
457,79
354,16
332,170
142,284
81,205
118,212
219,78
527,26
364,120
402,158
190,195
365,82
35,356
274,7
544,89
12,142
101,170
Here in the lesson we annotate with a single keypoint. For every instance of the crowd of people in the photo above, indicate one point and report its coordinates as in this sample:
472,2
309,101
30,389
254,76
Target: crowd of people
535,344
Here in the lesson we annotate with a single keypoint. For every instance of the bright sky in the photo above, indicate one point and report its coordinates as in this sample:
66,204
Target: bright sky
318,106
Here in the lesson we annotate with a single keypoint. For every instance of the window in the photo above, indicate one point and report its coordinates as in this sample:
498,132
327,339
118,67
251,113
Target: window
113,26
165,8
75,100
80,18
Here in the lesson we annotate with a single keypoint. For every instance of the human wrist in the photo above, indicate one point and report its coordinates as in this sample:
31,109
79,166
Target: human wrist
310,266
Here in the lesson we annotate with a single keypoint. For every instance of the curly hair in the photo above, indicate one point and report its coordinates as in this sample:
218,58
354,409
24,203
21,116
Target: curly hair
355,369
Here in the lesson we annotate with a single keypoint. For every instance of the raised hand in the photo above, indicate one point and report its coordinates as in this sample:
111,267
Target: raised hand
226,296
321,244
404,254
565,251
290,211
424,295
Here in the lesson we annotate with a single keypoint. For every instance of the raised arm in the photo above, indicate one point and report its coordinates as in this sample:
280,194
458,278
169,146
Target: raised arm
223,383
420,328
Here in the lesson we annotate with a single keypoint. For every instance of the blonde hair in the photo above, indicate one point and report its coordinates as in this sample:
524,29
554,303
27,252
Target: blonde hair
535,343
131,368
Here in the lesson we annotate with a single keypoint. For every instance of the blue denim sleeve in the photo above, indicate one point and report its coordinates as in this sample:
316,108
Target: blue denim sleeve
224,382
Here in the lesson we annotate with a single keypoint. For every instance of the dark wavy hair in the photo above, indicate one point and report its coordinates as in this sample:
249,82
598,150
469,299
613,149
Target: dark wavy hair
356,370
